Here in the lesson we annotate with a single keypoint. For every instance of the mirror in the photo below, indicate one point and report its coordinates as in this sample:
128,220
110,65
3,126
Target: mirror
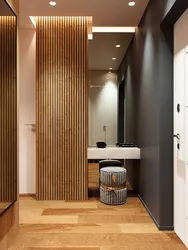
8,107
106,52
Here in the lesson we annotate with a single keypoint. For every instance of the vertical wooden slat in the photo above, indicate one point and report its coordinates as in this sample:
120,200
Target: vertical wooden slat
62,108
8,110
9,221
37,121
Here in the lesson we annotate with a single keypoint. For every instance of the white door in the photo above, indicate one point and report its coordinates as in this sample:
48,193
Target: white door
181,128
186,145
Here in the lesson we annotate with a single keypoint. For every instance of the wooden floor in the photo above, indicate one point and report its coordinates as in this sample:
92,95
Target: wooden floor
90,225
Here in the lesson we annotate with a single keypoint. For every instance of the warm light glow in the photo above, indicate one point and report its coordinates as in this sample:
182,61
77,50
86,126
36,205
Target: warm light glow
96,86
52,3
113,58
110,68
33,21
132,3
90,36
118,46
109,72
113,29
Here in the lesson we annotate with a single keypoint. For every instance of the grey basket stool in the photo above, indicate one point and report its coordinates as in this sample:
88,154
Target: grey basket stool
113,189
108,163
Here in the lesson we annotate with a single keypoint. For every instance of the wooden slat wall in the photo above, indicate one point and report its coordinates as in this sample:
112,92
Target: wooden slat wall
9,221
93,175
8,109
62,108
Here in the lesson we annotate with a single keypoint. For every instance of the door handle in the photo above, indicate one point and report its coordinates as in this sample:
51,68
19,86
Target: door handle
177,136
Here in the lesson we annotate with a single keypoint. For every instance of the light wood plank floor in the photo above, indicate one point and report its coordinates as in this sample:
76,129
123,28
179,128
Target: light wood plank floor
90,225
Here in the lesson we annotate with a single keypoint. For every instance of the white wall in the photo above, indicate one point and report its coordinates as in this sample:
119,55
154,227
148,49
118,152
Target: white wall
181,127
27,111
102,107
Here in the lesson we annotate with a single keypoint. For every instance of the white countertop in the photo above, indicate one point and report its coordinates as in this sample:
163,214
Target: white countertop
113,153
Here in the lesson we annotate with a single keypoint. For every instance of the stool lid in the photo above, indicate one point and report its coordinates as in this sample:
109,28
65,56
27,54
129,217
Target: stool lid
113,169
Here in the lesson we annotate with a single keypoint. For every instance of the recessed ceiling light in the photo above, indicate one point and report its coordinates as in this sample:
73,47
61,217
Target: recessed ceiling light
113,58
52,3
132,4
118,46
110,68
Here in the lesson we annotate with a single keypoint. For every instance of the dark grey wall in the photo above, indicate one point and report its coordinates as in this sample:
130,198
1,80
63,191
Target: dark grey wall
120,130
148,72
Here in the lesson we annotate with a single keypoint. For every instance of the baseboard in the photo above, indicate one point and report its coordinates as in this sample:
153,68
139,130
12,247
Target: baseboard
161,228
27,195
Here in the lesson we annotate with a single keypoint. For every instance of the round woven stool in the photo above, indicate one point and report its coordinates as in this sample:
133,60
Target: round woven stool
116,197
108,163
113,189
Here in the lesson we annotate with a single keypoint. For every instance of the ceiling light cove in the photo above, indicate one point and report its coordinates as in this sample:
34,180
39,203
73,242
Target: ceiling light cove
127,29
52,3
132,3
33,20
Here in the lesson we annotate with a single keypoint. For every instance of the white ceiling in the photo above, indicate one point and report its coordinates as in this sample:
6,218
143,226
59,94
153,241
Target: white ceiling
104,12
103,48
